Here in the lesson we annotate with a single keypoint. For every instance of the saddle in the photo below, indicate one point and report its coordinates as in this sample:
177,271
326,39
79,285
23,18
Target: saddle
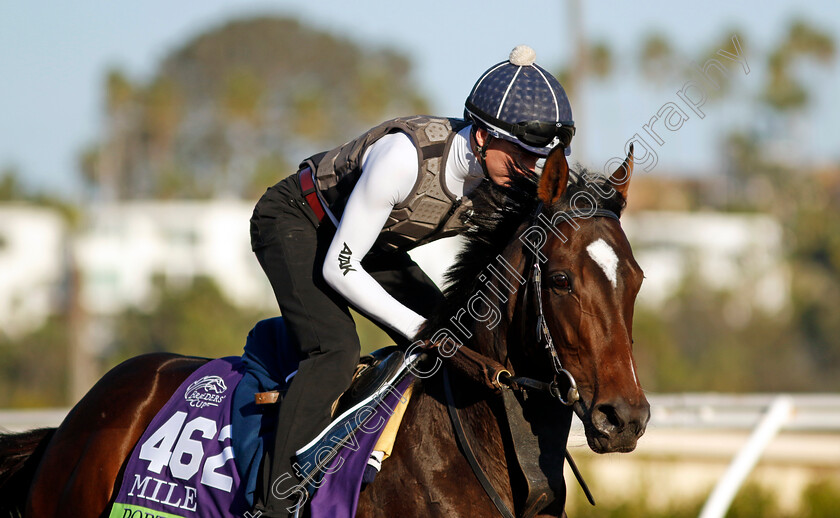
371,372
374,403
365,417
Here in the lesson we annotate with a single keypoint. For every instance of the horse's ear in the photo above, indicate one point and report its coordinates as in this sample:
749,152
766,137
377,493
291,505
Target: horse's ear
554,177
620,179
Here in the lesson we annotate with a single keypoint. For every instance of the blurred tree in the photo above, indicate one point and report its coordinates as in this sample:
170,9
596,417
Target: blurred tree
657,57
11,187
33,369
598,64
704,340
600,60
198,320
783,91
159,125
106,164
235,96
813,231
660,61
194,320
759,179
723,80
808,207
821,499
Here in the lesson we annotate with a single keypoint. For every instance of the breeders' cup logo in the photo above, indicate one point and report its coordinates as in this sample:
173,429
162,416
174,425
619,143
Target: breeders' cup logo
208,391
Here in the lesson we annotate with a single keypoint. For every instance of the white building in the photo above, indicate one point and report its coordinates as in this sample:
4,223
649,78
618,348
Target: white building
741,254
126,246
32,266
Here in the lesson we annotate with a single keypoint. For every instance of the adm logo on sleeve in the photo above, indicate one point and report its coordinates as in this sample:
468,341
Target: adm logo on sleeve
344,260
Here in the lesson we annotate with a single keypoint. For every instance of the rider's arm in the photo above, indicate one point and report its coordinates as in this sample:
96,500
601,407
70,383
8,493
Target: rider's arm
389,171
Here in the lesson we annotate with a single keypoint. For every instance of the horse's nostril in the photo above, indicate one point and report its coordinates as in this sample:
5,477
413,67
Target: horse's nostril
608,419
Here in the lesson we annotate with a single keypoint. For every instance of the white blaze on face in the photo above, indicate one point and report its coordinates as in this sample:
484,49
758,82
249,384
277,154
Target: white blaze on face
633,369
605,257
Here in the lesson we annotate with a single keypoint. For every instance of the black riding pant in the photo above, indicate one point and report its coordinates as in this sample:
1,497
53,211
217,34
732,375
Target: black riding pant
291,246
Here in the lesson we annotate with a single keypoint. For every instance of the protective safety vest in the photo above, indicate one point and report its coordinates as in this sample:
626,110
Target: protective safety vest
430,211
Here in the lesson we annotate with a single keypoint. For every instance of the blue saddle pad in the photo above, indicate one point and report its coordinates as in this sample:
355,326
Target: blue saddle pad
270,363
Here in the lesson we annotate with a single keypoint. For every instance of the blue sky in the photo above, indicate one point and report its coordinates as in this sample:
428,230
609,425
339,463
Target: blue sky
53,57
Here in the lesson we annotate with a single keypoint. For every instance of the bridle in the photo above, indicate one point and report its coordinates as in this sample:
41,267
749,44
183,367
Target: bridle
561,375
503,379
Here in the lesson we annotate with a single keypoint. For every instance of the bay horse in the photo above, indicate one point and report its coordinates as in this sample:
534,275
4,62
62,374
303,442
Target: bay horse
552,311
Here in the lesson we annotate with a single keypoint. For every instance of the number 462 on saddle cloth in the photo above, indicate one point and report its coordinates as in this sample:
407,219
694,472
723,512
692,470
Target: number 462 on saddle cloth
183,464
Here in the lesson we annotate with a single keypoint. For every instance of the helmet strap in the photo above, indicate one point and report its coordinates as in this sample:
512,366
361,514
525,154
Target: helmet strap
480,152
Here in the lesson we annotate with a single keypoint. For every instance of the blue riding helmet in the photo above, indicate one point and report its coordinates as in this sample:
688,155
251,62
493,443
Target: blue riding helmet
519,101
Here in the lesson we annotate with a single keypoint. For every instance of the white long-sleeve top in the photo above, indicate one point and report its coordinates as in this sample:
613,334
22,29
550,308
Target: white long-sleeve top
389,172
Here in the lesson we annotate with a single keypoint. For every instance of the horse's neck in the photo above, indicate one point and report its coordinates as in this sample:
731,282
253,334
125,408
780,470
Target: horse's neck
492,338
480,414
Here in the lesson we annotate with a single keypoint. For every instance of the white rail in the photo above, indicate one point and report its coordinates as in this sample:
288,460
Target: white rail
811,412
694,411
699,411
727,487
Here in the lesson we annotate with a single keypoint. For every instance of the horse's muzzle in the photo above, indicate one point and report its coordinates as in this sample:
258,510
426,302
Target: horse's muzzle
617,425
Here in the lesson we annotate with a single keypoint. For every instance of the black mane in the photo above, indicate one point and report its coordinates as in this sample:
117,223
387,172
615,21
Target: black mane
497,214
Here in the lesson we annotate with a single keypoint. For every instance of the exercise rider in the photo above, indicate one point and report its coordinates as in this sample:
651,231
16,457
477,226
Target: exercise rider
336,234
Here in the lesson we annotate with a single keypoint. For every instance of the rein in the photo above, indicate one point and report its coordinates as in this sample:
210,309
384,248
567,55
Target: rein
464,441
500,379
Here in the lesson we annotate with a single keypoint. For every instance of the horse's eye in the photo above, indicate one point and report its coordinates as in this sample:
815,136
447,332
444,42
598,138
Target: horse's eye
561,281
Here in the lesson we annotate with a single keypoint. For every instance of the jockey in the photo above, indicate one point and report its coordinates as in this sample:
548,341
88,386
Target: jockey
336,234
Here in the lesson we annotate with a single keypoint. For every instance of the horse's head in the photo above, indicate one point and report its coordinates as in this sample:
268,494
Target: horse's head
571,251
588,287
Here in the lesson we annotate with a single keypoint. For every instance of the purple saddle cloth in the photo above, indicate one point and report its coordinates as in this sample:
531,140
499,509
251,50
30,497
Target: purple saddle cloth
183,466
200,455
